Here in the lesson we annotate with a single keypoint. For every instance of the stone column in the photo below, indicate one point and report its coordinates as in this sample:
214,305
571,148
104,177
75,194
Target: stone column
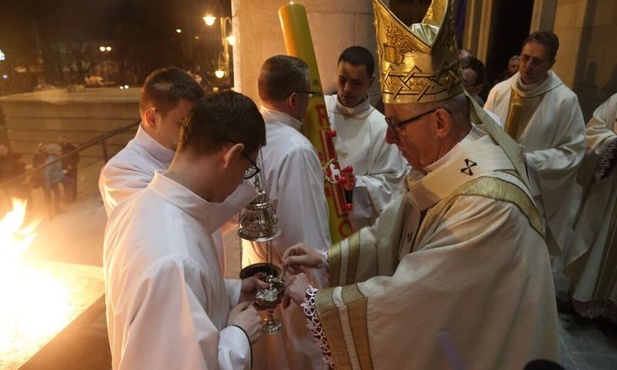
335,25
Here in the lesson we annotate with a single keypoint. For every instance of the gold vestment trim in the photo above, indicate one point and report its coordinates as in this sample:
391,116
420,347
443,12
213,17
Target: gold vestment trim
329,315
354,257
489,187
334,262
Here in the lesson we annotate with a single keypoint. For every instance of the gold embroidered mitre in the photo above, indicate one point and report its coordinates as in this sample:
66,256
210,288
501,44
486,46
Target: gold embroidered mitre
418,64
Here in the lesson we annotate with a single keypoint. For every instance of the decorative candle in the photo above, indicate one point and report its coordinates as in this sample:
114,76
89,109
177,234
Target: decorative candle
299,43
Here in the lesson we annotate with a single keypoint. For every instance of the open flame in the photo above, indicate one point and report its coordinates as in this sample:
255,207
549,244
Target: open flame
34,304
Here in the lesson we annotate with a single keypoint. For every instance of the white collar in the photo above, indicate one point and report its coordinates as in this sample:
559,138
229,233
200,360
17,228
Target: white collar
153,147
356,111
271,115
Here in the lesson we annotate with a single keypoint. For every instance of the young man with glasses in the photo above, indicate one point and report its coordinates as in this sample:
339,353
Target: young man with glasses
378,168
295,184
460,257
168,304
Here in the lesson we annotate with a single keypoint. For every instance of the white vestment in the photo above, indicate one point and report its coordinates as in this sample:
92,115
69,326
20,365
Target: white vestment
295,183
457,264
167,301
361,143
552,132
592,257
133,167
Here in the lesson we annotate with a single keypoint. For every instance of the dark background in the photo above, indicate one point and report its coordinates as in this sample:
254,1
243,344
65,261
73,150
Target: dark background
57,42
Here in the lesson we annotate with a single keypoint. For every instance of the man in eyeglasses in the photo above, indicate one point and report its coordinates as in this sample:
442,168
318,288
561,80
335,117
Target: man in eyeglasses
168,304
295,183
378,168
455,273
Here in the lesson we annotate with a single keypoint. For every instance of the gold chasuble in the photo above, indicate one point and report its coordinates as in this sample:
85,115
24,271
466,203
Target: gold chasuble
460,255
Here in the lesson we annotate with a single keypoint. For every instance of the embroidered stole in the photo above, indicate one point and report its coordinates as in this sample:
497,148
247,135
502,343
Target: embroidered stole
520,112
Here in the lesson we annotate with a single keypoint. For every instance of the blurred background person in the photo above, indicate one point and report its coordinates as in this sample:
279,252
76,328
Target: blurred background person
473,77
592,257
70,162
513,65
53,178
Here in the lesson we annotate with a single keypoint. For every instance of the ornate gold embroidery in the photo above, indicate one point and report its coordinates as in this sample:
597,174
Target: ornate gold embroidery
493,188
419,64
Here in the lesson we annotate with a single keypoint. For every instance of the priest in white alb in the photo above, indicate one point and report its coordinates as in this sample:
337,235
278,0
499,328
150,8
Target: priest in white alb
542,114
592,257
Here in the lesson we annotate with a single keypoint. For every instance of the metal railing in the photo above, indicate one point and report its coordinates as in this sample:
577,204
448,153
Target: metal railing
101,139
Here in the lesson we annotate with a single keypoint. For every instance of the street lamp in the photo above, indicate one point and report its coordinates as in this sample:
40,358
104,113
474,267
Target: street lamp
227,39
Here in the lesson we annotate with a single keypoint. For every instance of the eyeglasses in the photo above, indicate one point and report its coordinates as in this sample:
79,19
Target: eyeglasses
252,170
310,94
396,127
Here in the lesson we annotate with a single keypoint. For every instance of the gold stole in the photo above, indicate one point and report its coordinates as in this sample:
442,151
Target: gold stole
520,112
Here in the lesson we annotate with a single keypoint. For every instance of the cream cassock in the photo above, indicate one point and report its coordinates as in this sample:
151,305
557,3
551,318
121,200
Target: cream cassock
457,263
592,258
553,137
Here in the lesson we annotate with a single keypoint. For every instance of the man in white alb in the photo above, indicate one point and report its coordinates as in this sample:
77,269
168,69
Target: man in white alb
541,113
378,168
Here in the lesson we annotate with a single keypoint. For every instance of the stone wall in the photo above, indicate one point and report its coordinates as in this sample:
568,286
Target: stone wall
587,57
335,25
41,117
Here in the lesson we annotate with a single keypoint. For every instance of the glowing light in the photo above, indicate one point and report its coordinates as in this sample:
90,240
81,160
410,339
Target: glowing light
209,20
178,30
1,55
35,305
231,39
102,48
219,73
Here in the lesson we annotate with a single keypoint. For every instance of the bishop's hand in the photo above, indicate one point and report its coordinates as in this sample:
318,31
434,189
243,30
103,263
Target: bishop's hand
298,256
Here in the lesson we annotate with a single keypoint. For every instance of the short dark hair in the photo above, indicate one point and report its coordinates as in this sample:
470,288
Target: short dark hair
165,87
220,118
281,75
358,56
475,65
548,39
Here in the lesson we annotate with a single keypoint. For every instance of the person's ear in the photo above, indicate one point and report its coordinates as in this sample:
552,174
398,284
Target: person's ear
231,153
150,117
291,100
443,123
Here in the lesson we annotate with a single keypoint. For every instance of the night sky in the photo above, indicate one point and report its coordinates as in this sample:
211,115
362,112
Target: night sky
23,23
